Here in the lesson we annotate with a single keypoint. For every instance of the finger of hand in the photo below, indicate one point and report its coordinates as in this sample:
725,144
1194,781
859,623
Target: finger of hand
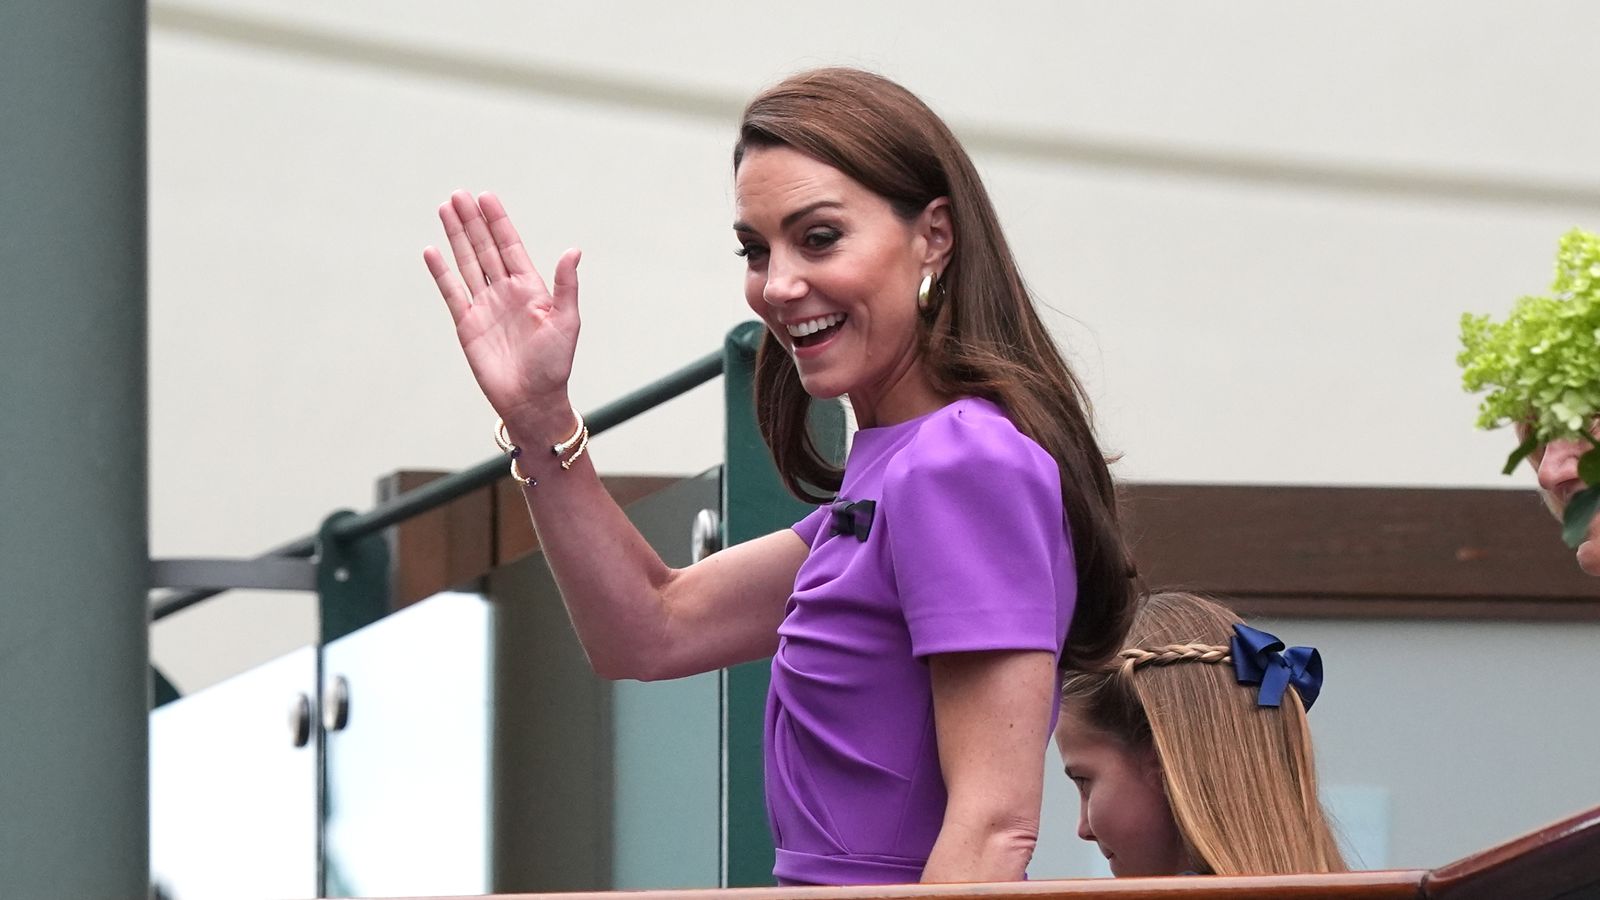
505,236
461,247
478,233
451,288
566,293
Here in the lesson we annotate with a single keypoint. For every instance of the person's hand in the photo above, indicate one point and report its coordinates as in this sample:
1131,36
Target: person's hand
519,336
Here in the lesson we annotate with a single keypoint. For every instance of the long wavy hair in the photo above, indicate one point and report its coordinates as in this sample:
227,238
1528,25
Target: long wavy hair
1241,778
981,338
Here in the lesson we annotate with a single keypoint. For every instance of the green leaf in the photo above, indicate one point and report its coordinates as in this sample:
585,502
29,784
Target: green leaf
1589,466
1580,509
1520,454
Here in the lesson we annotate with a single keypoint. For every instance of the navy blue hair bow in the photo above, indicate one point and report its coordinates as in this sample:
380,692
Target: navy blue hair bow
1260,658
853,518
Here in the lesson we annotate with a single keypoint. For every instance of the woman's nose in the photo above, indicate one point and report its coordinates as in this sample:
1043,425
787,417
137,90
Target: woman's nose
1084,831
784,282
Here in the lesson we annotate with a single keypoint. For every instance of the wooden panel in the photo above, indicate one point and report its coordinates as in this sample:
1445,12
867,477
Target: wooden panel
1558,862
459,543
514,537
1348,552
1358,551
1393,885
441,549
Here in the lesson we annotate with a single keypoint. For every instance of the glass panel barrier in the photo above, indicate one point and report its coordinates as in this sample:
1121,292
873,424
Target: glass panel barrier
601,784
233,799
406,708
469,748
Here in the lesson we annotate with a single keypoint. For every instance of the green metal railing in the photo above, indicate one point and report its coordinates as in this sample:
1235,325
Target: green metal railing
345,528
349,556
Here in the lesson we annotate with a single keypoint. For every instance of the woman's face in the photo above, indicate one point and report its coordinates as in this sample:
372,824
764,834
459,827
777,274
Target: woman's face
1122,804
834,271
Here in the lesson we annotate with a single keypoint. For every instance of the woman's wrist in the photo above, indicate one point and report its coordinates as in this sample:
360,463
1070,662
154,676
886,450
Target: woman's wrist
542,425
528,465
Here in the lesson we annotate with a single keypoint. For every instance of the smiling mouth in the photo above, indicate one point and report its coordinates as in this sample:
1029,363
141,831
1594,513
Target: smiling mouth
815,331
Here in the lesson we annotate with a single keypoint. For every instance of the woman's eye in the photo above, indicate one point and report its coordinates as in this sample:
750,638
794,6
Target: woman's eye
821,238
750,252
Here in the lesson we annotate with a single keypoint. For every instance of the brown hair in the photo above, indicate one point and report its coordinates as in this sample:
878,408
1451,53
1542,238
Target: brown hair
1240,777
983,338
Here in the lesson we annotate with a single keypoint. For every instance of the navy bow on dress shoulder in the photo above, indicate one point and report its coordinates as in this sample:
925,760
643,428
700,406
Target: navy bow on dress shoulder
852,518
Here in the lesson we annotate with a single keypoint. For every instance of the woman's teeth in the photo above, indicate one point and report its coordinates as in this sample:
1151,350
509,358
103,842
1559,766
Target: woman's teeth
812,326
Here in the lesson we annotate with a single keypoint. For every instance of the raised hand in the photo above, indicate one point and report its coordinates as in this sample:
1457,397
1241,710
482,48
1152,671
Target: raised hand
519,336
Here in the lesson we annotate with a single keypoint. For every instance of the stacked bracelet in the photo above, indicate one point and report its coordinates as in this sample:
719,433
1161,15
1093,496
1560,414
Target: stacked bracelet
579,438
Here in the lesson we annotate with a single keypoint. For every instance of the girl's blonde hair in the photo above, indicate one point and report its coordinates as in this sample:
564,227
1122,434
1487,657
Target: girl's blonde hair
1240,777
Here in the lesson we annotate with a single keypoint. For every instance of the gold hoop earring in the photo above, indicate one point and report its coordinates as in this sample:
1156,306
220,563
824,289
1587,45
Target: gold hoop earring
925,293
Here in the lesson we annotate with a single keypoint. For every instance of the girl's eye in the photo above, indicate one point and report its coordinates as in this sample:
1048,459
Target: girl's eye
750,252
821,238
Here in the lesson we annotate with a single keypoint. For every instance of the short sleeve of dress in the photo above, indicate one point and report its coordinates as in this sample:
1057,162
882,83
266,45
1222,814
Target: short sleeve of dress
809,526
978,537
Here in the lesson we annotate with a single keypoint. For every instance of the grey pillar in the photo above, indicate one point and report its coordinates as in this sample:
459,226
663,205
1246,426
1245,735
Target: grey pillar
74,682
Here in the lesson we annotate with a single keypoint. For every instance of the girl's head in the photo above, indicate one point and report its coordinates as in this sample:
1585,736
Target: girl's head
847,277
1179,768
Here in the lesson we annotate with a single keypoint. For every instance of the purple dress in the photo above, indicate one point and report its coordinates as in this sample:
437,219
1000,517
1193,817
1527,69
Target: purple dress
967,550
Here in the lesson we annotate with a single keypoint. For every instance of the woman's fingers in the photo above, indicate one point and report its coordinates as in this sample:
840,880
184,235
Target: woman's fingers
506,239
566,292
483,245
461,246
451,287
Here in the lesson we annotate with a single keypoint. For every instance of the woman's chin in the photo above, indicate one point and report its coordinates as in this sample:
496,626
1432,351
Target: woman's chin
822,388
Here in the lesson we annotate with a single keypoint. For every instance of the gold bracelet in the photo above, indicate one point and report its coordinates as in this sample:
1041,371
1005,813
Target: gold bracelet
582,431
583,445
502,439
518,476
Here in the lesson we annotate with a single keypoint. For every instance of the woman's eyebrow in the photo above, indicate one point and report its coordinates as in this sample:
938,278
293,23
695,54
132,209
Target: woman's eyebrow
795,216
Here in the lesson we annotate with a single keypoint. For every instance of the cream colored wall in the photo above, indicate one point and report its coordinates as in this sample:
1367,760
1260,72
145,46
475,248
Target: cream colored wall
1257,224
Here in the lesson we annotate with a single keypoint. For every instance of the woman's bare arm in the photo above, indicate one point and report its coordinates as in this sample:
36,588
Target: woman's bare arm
636,617
992,716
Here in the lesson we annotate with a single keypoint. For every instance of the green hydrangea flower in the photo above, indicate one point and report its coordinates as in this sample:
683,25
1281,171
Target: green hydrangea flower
1541,366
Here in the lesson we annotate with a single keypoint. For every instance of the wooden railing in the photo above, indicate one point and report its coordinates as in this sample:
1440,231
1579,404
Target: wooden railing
1558,862
1424,553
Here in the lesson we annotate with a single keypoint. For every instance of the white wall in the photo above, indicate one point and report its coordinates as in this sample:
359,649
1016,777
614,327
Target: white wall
1258,223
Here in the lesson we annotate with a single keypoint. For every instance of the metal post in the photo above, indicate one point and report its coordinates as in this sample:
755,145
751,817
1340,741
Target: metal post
74,674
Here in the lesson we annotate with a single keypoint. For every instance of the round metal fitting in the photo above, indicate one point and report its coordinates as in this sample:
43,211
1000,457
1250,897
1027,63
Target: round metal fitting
300,720
336,704
705,538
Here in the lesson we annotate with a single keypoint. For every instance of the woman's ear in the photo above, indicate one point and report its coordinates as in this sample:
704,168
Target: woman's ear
1150,768
938,233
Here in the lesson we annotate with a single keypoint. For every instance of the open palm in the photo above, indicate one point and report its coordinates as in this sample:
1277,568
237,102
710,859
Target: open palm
519,335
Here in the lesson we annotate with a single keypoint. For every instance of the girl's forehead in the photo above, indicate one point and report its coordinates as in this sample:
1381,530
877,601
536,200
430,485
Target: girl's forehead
1074,731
